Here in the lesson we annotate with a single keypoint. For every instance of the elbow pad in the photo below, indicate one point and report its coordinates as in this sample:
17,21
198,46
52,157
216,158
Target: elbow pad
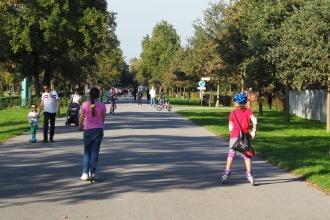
230,127
254,120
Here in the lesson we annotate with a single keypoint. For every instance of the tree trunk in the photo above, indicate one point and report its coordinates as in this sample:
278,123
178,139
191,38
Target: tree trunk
36,84
189,92
287,105
328,105
260,103
47,76
217,104
36,78
242,83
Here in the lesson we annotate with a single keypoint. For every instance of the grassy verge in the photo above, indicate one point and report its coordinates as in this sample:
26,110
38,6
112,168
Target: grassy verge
301,146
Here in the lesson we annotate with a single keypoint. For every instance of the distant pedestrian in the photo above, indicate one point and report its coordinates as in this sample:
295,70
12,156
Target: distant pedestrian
242,119
87,92
270,99
139,97
125,91
162,96
50,104
108,95
101,94
152,93
113,100
135,92
148,95
93,112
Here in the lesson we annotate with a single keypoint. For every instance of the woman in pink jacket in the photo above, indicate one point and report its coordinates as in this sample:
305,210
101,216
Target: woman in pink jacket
91,121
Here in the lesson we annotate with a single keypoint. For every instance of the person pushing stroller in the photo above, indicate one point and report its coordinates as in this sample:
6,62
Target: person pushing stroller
76,98
74,108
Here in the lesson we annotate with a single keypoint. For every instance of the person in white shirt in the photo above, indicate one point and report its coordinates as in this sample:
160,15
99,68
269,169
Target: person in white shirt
50,104
76,97
152,93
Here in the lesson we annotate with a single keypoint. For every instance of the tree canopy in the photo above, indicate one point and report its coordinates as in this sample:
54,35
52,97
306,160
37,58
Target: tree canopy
159,50
61,40
264,44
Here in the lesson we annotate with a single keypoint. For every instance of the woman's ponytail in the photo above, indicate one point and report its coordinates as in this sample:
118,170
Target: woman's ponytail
94,94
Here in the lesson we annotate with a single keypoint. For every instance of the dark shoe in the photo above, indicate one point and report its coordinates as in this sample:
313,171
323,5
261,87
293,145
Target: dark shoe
51,140
44,141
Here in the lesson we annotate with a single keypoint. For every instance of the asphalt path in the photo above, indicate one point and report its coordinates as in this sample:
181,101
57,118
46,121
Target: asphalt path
152,165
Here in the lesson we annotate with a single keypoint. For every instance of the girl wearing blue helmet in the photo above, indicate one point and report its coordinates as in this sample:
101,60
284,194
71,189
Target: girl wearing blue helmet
244,115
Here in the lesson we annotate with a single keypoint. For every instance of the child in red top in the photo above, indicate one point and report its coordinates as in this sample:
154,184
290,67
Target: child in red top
244,115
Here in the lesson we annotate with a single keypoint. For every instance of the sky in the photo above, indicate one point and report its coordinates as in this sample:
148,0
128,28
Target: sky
136,19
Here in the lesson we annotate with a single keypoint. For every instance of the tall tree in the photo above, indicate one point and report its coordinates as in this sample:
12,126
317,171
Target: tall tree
142,74
233,48
43,33
204,46
110,61
158,51
180,78
259,37
302,55
251,29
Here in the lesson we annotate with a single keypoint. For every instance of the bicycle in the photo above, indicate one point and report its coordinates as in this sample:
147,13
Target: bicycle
167,105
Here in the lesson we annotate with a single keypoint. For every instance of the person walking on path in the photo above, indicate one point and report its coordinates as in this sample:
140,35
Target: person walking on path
91,121
108,94
88,90
139,97
152,93
135,92
113,98
162,96
101,94
148,95
50,104
243,115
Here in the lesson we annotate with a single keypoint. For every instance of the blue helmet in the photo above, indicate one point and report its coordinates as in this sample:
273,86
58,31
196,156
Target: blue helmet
240,98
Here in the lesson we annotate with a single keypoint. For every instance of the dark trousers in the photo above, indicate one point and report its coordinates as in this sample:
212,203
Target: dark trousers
49,118
139,99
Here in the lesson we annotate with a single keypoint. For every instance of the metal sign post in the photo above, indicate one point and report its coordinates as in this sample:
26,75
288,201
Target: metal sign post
206,78
201,89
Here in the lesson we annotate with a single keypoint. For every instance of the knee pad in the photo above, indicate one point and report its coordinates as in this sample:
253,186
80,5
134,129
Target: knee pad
231,154
246,157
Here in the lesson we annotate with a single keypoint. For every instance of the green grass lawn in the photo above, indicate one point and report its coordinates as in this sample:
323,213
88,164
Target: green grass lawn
301,146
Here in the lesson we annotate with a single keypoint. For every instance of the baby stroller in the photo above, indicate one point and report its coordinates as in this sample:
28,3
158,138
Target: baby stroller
72,116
